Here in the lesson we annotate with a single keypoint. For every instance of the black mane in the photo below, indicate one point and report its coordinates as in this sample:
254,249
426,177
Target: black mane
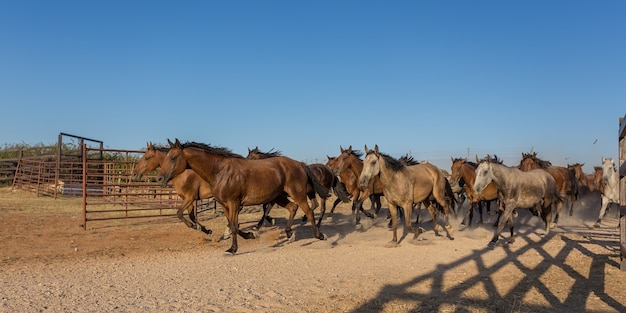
216,150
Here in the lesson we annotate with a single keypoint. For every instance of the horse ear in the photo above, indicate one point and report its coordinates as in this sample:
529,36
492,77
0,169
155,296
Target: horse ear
350,149
340,149
452,159
477,160
170,142
366,149
376,149
177,143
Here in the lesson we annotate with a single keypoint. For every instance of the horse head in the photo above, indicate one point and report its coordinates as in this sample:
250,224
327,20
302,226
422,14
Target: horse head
371,166
173,164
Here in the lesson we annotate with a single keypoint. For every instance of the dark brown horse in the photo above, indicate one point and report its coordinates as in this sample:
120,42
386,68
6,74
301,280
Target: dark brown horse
236,181
564,179
188,185
464,172
348,165
321,172
586,182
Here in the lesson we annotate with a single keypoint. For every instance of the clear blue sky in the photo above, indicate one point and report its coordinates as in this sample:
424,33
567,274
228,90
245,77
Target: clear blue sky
435,79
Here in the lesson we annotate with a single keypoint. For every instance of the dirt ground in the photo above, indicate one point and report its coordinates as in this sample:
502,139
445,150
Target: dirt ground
49,263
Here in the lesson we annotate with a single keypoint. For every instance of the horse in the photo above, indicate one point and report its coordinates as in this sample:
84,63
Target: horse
236,182
322,173
565,180
348,166
463,172
610,190
518,189
188,185
585,182
405,186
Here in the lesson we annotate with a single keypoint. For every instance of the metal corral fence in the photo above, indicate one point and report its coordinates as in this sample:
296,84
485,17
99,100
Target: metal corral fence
105,184
622,189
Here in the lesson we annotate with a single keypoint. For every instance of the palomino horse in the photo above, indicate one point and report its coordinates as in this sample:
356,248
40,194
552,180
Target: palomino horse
464,172
348,166
565,180
188,185
321,172
237,182
518,190
610,190
405,186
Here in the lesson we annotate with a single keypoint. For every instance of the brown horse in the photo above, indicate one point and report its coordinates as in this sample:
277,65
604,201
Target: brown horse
348,165
321,172
188,185
237,182
464,172
585,182
349,181
565,180
405,186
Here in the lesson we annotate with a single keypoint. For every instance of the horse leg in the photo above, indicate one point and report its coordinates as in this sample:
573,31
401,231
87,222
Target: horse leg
332,210
546,216
305,207
394,226
357,206
503,218
511,228
231,210
322,212
292,208
314,205
605,204
376,202
267,207
193,217
469,215
433,214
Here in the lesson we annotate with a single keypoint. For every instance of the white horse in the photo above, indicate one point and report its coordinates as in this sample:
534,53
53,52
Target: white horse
610,192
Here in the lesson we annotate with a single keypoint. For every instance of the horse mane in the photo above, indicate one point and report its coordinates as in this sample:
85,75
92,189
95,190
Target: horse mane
216,150
270,154
473,164
408,160
540,162
357,153
394,164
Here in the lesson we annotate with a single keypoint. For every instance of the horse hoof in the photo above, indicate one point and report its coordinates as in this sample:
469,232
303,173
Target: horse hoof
462,227
392,244
322,237
491,244
420,230
596,225
254,234
292,238
358,226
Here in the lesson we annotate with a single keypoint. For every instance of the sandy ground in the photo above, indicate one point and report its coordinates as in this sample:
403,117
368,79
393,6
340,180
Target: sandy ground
50,264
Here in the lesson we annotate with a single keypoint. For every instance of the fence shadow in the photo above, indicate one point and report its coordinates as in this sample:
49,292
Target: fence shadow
571,297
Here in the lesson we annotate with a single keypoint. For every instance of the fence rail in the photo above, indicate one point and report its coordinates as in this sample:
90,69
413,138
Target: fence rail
622,189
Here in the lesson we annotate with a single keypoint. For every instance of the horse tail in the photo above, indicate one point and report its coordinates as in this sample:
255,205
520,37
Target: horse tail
320,189
340,190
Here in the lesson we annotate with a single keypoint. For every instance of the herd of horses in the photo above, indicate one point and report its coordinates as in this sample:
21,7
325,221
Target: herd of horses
200,171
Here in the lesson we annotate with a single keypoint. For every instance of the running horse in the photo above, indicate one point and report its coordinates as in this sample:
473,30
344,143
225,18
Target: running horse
610,188
188,185
585,181
518,190
405,186
321,172
238,182
348,166
464,172
564,179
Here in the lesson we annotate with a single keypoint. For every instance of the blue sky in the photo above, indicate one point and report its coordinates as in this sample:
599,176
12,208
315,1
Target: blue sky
436,79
